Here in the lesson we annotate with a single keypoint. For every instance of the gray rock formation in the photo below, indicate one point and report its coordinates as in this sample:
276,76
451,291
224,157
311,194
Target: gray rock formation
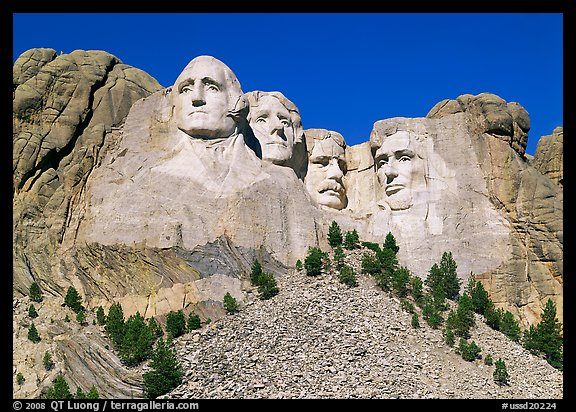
549,156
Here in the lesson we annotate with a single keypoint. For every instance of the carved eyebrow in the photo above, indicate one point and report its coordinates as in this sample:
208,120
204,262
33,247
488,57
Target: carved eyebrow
404,152
205,80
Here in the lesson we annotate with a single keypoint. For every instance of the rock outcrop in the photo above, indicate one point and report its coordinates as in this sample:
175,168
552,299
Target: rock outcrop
549,156
158,198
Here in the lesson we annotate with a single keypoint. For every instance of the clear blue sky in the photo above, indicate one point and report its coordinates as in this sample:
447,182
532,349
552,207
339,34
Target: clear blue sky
344,71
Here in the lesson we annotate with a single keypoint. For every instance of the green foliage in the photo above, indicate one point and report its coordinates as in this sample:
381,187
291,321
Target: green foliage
509,326
230,303
35,292
384,280
176,323
80,393
32,311
298,264
488,360
443,279
334,234
415,321
406,305
268,287
100,316
388,260
390,243
370,264
464,317
33,334
417,290
66,318
165,372
500,374
339,257
47,361
256,272
545,339
93,393
480,299
20,378
115,324
371,245
194,322
351,240
59,389
493,316
400,279
81,317
347,276
73,300
313,263
138,341
431,314
449,337
468,351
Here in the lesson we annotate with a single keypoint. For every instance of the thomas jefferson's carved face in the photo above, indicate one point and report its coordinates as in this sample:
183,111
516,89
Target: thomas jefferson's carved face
326,168
399,169
202,100
272,125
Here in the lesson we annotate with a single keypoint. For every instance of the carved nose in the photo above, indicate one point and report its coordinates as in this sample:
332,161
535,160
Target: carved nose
334,171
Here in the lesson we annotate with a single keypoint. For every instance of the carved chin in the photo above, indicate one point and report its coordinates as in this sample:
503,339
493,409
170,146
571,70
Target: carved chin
399,201
332,200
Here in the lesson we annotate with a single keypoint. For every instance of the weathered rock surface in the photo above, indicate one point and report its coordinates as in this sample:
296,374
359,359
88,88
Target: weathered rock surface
321,339
549,155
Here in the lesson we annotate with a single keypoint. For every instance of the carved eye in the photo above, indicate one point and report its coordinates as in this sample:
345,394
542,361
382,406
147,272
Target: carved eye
261,119
405,158
382,162
286,122
212,87
186,89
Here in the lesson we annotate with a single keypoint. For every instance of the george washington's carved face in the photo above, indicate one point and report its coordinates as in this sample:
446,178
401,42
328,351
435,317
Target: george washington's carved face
203,96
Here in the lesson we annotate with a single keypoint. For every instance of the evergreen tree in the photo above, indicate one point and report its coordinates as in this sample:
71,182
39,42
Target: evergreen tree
73,300
390,243
194,322
415,322
450,280
268,287
449,337
115,324
351,240
334,235
464,317
32,311
370,264
388,260
480,299
431,314
500,374
339,257
155,328
256,272
230,303
59,389
93,393
20,378
47,361
35,292
493,316
81,317
546,337
510,327
138,341
313,262
400,279
372,246
165,372
80,393
468,351
488,360
298,264
176,323
100,316
347,276
33,334
417,290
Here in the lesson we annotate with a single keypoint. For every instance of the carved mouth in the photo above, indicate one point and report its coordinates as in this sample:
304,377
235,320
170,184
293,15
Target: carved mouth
392,189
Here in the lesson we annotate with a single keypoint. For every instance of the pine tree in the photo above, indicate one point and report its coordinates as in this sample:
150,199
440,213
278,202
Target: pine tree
488,360
81,317
193,322
175,323
334,235
347,276
33,334
93,393
500,374
165,372
230,303
47,361
155,328
449,337
20,378
35,292
100,316
32,311
450,280
313,262
73,299
80,393
351,240
390,243
339,257
268,287
480,299
415,322
417,290
546,337
138,341
298,264
510,327
370,264
59,389
400,279
115,324
464,317
256,272
468,351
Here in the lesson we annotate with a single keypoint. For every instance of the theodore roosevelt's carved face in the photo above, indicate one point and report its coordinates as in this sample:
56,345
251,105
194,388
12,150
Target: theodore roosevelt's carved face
399,168
326,168
203,96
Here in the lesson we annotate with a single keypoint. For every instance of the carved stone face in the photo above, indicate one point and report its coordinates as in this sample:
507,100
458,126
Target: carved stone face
326,168
399,169
202,99
272,125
